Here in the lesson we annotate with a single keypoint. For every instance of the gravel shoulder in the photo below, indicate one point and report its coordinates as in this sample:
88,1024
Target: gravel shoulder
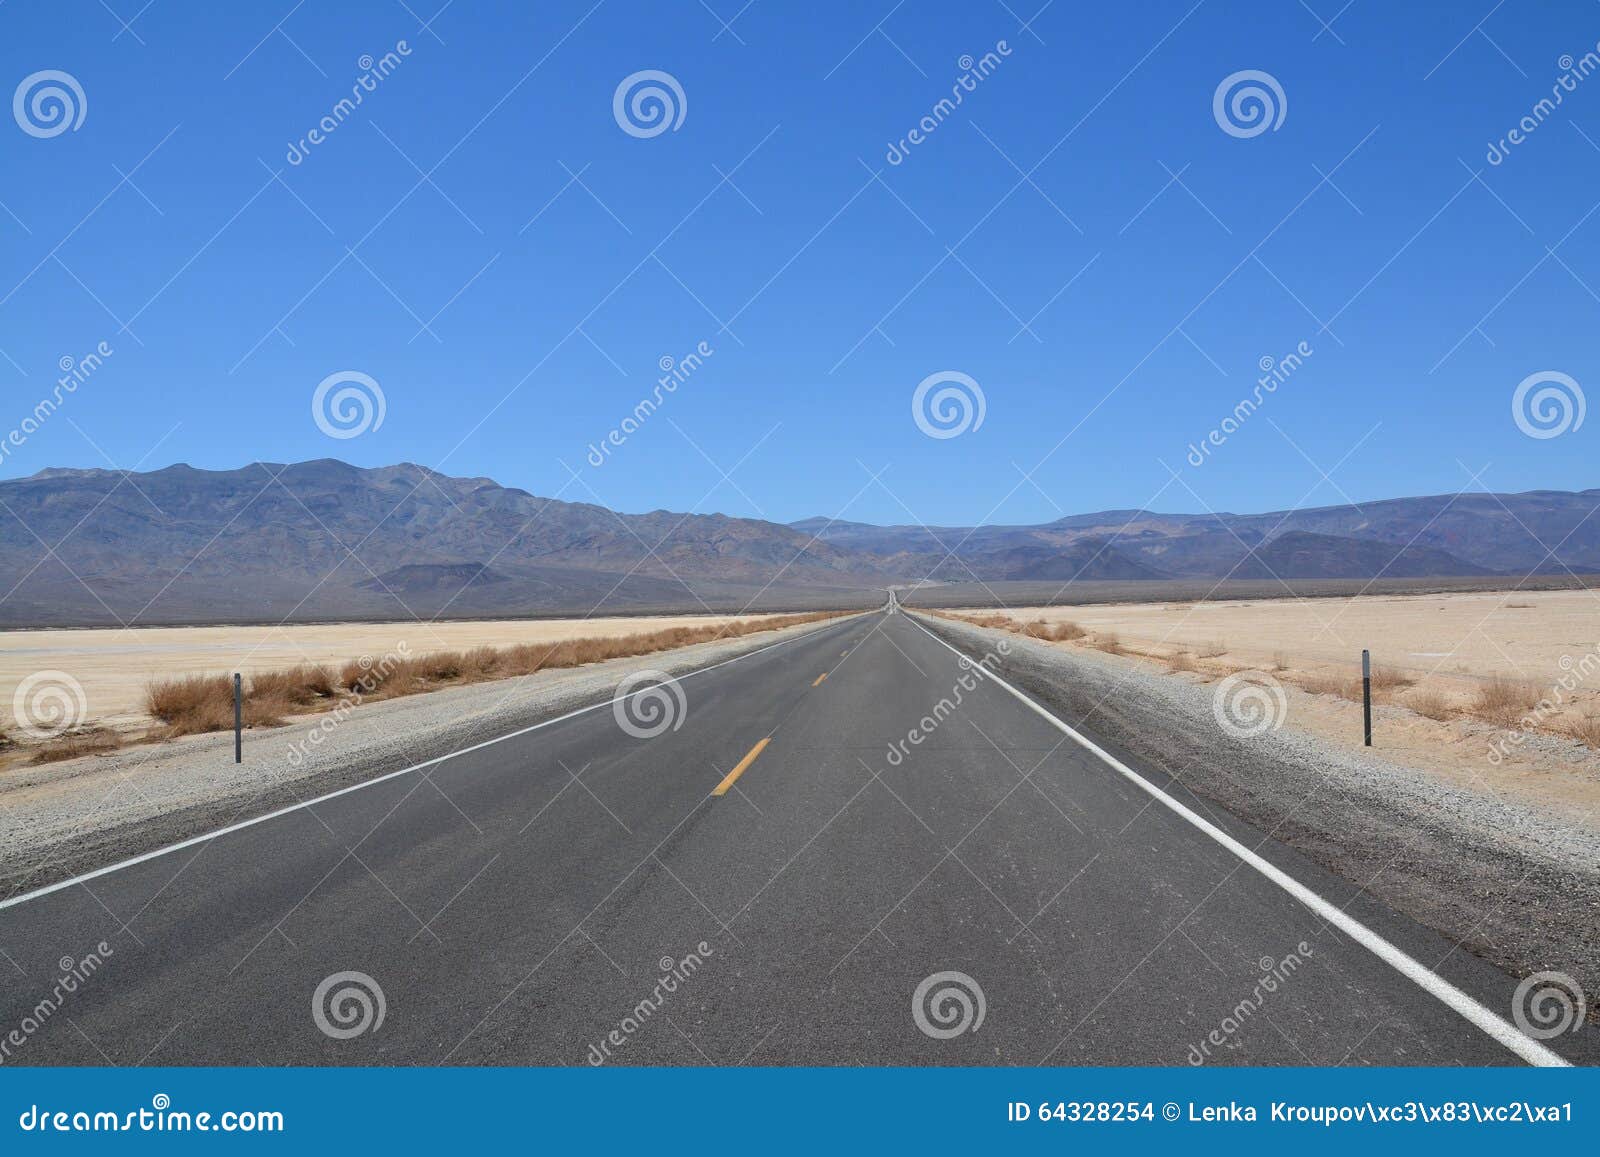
1513,881
58,820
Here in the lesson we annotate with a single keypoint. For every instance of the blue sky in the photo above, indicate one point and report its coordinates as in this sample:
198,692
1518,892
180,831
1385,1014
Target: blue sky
1080,237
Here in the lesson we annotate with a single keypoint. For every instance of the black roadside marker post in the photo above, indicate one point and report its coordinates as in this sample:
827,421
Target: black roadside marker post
238,719
1366,695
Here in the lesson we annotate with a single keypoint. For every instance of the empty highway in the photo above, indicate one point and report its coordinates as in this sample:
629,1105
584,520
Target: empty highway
812,833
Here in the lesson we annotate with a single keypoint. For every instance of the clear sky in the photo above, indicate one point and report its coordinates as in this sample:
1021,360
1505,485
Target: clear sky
1081,236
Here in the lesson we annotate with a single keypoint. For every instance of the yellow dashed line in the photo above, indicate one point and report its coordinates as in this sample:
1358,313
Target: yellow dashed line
819,678
727,780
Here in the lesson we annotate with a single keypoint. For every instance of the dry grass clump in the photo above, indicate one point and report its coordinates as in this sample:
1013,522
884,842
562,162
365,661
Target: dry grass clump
1180,661
1387,679
85,741
1109,642
1212,649
199,703
995,622
1332,683
1431,704
299,685
194,704
1503,701
1052,632
1586,730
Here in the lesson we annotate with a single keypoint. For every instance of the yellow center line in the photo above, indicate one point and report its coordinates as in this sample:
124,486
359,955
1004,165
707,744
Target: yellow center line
819,678
727,780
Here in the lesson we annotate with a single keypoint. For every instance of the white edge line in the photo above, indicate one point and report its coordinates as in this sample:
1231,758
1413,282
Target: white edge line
207,837
1490,1022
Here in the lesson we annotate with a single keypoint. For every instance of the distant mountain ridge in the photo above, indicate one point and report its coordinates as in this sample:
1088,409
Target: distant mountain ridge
324,539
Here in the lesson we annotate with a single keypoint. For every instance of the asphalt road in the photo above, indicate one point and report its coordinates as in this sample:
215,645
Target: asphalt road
515,904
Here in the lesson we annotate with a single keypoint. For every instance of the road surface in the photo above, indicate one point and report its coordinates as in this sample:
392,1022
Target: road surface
578,894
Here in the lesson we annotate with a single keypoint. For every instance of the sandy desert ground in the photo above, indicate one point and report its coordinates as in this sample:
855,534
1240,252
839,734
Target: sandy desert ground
113,666
1437,655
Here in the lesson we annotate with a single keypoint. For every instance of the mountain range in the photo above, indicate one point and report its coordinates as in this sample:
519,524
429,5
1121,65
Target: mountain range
326,540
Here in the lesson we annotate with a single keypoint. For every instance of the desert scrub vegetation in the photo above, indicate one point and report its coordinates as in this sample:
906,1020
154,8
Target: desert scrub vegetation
1108,641
1063,632
1586,730
83,741
1180,661
1386,682
1503,701
1053,632
1431,704
193,704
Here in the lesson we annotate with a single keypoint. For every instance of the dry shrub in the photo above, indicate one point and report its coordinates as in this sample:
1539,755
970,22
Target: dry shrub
1586,730
1432,704
1332,683
1053,632
198,703
438,666
1503,701
191,703
301,685
87,741
1180,661
1108,642
481,662
1385,679
1212,649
